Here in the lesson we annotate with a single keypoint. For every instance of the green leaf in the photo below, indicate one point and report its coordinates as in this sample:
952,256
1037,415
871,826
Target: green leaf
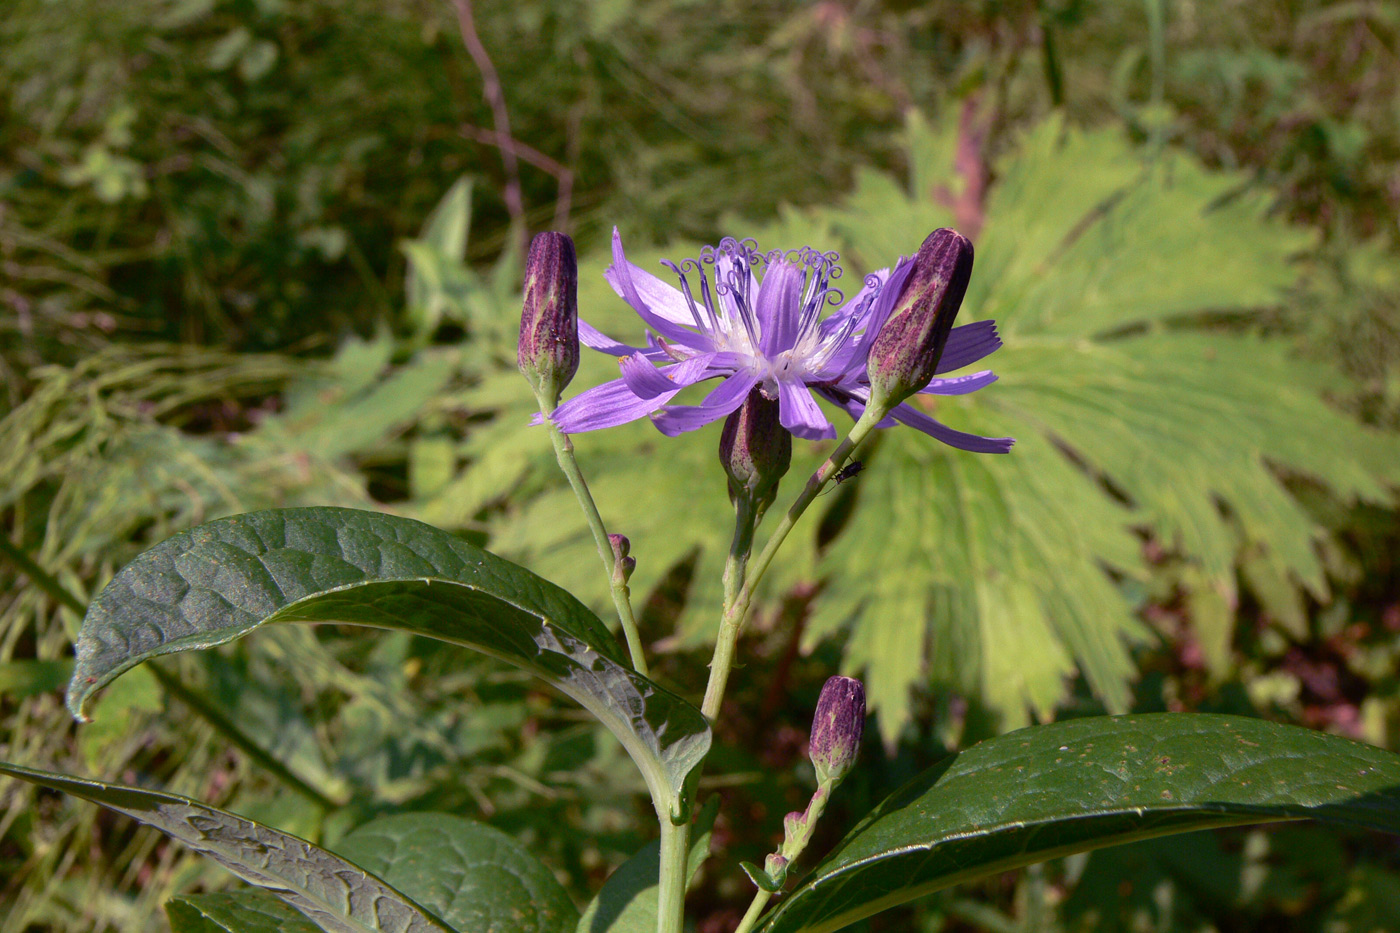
1053,790
627,901
249,911
474,877
337,894
435,270
217,582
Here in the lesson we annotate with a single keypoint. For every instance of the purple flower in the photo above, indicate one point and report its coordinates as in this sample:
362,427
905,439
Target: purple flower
767,332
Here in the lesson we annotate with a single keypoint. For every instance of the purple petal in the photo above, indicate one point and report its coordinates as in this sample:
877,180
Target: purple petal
604,406
968,344
595,339
959,385
959,439
800,414
777,308
646,381
663,299
625,283
729,395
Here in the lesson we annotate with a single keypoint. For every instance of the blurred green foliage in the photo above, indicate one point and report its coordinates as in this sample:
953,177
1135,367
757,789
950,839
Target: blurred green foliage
209,210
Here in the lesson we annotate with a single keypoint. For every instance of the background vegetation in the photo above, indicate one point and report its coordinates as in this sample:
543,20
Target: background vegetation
258,253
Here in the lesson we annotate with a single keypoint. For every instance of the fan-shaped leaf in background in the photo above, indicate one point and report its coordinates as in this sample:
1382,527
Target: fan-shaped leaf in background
1083,784
337,894
221,580
474,877
997,563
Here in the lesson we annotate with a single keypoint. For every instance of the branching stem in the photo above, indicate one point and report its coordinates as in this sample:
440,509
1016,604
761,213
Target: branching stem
621,595
738,602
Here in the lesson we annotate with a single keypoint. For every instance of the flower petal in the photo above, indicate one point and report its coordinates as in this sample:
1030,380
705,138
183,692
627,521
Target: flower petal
968,344
624,278
594,339
800,414
647,381
604,406
959,439
959,385
777,307
729,395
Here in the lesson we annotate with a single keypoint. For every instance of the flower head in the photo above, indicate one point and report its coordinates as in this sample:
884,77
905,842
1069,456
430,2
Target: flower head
755,320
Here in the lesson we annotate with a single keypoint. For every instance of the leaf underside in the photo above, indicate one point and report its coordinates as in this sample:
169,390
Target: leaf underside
221,580
1053,790
336,894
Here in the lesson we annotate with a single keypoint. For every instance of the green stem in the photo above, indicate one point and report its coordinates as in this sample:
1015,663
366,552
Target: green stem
735,570
195,701
736,609
675,843
621,597
760,900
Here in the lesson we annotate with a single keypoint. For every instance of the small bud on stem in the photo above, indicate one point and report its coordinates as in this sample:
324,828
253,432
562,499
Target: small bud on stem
836,729
623,565
904,356
548,349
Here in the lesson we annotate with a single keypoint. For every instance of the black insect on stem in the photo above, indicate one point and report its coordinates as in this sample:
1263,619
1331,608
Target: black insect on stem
847,472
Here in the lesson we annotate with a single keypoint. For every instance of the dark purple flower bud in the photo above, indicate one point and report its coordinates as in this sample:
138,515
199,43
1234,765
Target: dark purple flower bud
905,353
837,728
548,347
755,449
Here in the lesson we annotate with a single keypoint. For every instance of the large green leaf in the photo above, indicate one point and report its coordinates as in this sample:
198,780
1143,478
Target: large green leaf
220,581
337,894
250,911
1048,791
476,878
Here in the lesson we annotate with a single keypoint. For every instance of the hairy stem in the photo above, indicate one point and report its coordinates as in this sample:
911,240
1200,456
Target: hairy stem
621,596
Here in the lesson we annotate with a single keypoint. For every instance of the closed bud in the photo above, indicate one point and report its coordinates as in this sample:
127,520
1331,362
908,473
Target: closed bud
776,865
755,449
904,356
623,565
548,347
837,728
794,826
